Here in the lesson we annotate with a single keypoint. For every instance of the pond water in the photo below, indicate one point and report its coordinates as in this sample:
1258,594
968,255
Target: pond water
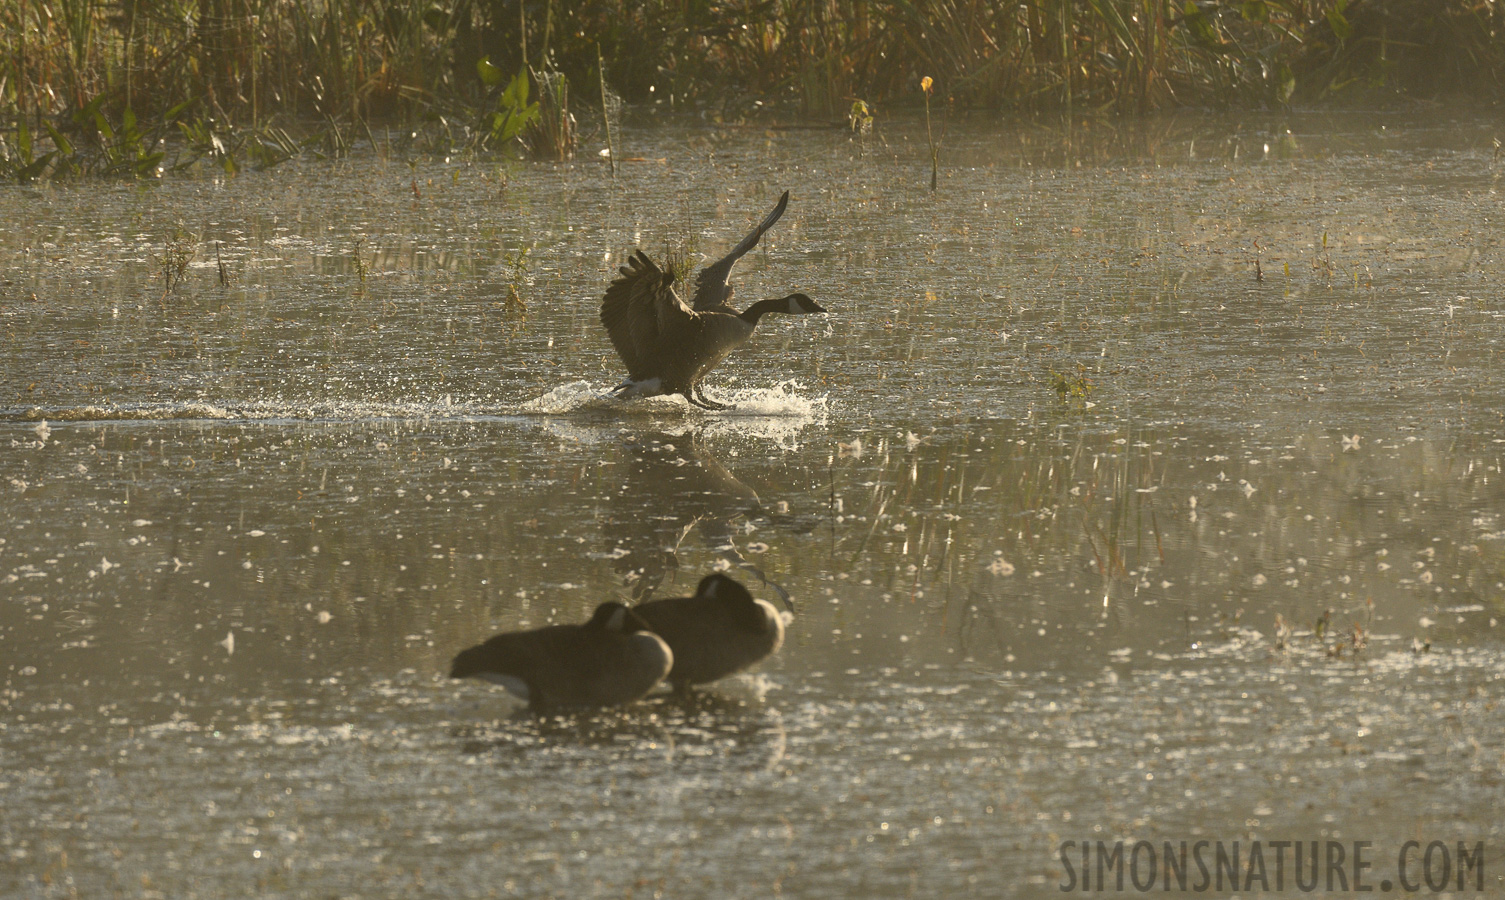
1143,483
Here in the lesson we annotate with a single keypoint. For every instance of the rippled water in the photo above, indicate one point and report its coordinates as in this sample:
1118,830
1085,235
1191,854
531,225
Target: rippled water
1143,483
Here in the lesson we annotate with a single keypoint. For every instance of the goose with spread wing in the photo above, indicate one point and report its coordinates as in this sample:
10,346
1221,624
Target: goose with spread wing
669,345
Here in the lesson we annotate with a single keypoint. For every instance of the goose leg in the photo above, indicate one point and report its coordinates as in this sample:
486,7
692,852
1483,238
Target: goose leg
702,404
700,400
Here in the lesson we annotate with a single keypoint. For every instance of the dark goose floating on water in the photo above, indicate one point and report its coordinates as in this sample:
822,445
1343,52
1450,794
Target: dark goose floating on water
669,346
719,631
603,662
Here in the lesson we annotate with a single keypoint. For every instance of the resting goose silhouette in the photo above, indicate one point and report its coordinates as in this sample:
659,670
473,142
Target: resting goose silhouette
669,345
719,631
608,660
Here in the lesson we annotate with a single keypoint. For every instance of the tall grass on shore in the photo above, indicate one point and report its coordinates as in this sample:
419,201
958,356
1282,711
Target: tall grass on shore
230,71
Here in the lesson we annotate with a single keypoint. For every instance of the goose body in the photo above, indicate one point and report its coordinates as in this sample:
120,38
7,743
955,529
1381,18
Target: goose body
669,345
602,662
719,631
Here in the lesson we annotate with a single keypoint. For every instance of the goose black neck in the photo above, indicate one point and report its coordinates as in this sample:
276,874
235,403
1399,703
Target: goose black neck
756,311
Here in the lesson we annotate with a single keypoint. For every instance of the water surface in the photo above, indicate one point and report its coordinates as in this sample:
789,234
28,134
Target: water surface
1143,483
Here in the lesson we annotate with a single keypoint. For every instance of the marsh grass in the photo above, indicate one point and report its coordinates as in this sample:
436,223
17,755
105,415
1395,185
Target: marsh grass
1074,387
679,255
177,253
513,308
93,87
552,133
359,265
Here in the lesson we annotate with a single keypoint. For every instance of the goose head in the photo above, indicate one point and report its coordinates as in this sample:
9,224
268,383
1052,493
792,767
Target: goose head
796,304
800,304
612,616
728,593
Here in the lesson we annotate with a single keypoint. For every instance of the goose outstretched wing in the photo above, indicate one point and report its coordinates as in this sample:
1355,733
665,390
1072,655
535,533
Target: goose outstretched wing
639,309
712,286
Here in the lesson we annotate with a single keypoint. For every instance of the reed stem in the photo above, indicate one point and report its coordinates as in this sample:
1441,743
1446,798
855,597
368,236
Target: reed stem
926,84
611,147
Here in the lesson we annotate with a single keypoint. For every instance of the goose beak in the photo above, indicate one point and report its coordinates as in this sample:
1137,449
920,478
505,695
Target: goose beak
809,304
801,303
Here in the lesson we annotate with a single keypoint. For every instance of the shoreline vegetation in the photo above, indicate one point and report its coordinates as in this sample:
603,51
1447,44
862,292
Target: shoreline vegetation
126,88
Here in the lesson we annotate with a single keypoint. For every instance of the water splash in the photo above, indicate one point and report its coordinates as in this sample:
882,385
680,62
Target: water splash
781,400
576,396
261,410
118,412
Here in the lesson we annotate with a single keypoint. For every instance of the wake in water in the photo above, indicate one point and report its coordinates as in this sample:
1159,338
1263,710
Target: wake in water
777,413
254,411
781,400
117,412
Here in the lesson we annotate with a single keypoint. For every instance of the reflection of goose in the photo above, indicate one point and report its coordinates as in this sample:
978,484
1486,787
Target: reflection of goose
719,631
599,663
669,346
672,485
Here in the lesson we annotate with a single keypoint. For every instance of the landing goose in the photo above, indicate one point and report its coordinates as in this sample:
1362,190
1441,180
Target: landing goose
669,345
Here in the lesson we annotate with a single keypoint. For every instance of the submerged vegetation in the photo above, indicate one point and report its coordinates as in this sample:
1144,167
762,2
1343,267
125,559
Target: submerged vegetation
98,87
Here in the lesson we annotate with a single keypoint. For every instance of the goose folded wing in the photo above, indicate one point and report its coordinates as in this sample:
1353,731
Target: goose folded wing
639,309
713,284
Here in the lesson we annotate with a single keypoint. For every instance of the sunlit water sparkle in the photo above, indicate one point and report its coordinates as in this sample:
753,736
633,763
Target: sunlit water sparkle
1246,584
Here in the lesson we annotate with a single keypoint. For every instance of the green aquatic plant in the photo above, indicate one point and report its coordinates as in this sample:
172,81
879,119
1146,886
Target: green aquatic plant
123,148
512,114
358,263
860,118
273,146
551,135
1075,386
332,142
202,140
177,253
512,308
20,162
680,253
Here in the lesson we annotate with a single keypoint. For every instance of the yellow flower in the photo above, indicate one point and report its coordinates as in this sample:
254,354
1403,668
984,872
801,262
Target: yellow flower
925,83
